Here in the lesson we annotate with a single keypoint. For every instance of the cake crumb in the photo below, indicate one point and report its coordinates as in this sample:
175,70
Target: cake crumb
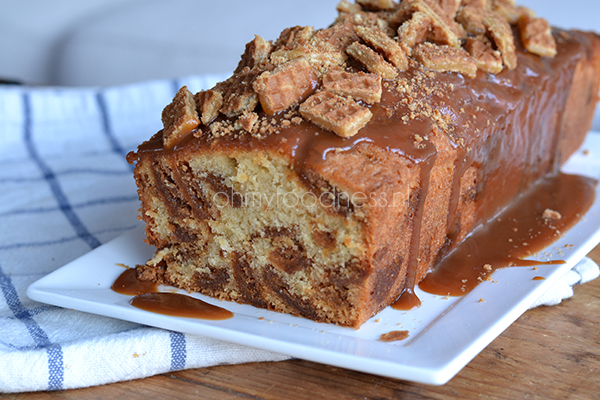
393,336
551,215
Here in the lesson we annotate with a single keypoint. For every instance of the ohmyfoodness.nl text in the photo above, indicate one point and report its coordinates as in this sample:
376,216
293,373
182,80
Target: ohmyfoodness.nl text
308,199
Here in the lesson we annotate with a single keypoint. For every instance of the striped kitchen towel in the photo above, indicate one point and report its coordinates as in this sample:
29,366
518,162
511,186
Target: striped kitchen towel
65,188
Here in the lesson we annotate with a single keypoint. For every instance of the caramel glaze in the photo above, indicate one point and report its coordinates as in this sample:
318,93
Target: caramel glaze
518,231
179,305
147,297
492,117
128,283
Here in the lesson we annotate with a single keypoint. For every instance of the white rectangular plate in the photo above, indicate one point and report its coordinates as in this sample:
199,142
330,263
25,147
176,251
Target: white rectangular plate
444,333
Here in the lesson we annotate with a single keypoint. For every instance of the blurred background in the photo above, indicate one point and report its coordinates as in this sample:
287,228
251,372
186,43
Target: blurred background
114,42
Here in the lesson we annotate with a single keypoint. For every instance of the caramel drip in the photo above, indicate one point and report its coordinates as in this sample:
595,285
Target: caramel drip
460,168
179,305
519,231
128,283
408,299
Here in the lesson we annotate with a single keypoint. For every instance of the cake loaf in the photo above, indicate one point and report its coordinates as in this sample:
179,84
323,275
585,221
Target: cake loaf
335,167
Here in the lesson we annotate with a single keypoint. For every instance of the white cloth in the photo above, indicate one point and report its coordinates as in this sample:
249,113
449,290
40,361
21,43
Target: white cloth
65,188
585,271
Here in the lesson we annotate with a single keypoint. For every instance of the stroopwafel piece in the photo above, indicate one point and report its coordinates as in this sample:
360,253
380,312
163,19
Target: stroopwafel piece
338,114
179,118
358,85
288,84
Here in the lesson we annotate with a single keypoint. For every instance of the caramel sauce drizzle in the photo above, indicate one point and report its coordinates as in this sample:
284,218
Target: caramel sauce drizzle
179,305
128,284
147,297
517,232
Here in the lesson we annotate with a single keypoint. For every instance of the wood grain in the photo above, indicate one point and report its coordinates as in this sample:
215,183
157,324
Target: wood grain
548,353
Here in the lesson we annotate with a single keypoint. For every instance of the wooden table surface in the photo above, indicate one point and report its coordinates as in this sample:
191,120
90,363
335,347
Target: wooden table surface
548,353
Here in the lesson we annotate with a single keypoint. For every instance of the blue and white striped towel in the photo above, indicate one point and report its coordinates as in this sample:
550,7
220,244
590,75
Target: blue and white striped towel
65,188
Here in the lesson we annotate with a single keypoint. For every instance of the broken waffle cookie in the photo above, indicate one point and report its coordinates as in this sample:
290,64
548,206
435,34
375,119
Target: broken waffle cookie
335,167
341,115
